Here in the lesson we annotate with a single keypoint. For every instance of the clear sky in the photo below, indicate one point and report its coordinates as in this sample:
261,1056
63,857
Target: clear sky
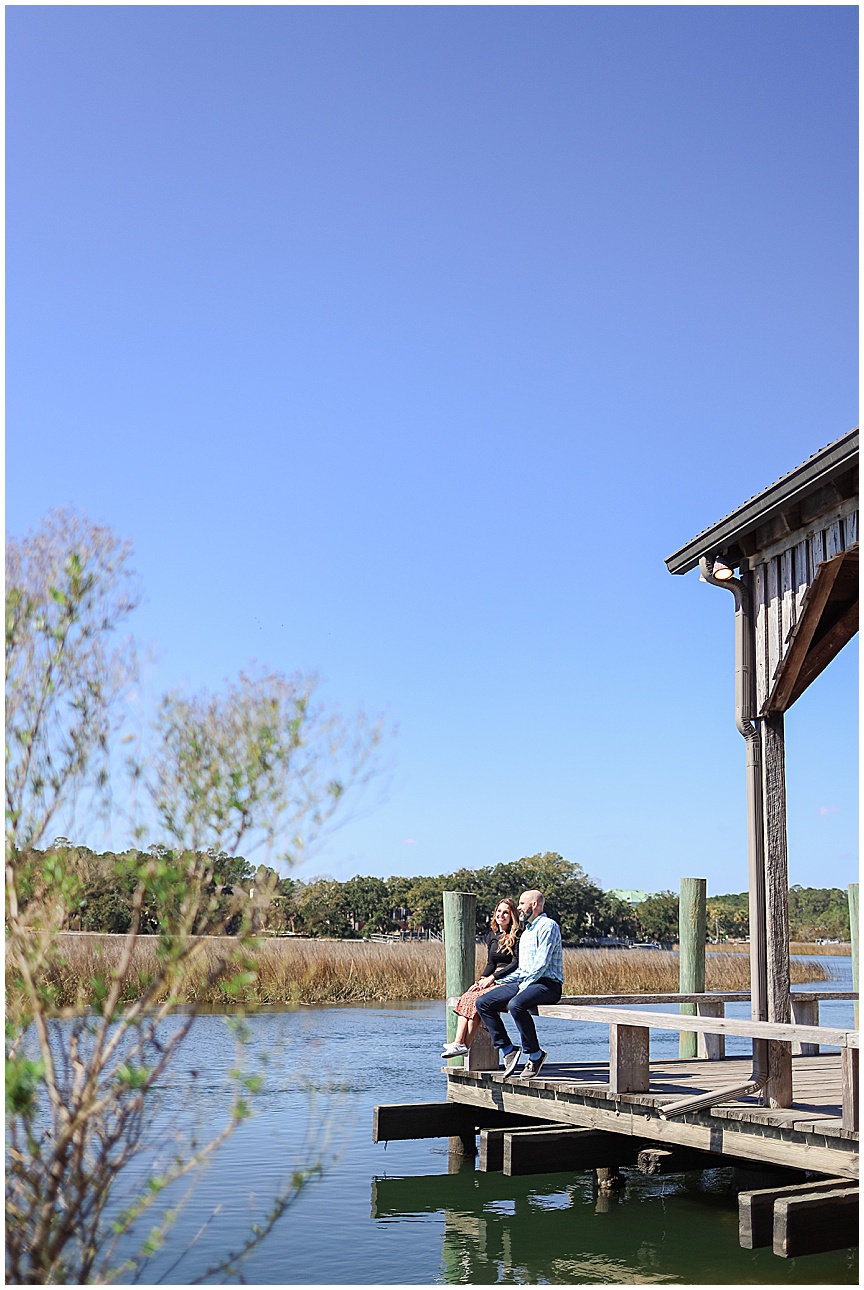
405,342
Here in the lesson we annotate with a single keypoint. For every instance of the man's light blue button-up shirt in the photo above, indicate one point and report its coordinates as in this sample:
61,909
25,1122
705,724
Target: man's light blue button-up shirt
540,952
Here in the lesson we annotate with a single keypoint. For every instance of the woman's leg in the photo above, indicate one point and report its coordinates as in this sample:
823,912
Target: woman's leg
471,1028
462,1029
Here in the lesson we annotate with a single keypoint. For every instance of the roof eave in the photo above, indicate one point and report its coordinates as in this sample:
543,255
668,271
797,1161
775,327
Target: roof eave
818,470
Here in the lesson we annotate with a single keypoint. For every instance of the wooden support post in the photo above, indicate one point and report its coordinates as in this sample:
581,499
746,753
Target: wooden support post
805,1012
853,936
778,1091
609,1179
463,1144
547,1151
677,1160
815,1223
711,1047
460,954
756,1209
629,1070
849,1068
691,953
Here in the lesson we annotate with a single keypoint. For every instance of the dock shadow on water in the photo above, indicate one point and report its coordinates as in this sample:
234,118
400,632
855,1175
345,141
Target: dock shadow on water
408,1213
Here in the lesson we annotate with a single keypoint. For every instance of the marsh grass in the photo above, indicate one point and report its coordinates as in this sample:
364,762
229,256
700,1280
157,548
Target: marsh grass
798,947
317,971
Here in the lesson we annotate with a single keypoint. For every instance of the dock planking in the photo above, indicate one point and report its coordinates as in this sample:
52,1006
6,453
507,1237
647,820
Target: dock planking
808,1135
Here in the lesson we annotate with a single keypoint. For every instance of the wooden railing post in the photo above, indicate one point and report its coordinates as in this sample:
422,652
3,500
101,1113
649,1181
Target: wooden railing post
711,1047
629,1068
691,953
853,936
805,1012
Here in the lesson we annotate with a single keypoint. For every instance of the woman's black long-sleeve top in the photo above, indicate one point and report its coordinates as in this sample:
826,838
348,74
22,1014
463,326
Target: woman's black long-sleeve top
500,963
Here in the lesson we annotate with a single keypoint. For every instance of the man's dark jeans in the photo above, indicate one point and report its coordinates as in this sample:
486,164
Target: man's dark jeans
491,1004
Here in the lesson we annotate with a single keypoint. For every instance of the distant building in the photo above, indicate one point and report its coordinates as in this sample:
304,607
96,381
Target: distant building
629,895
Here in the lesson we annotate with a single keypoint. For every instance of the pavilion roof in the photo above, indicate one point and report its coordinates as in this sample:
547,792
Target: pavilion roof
837,459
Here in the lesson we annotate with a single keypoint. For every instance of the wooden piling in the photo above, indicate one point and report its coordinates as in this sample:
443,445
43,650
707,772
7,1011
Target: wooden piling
691,953
853,936
460,955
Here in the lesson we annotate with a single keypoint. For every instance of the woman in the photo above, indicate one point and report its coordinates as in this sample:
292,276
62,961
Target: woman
503,957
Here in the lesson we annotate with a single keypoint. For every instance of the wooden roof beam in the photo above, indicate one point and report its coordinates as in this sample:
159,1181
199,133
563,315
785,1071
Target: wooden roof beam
827,622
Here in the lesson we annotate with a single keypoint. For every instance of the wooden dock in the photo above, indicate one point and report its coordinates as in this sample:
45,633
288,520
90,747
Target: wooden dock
808,1135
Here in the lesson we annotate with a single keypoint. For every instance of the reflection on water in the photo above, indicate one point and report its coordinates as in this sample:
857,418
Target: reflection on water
560,1229
427,1224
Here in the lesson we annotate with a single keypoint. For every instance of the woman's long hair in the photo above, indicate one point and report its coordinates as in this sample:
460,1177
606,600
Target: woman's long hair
506,940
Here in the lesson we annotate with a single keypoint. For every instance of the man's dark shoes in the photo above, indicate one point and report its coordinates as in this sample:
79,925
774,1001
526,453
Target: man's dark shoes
533,1066
511,1061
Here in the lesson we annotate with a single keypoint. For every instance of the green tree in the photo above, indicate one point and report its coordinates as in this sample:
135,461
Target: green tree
658,916
366,904
818,912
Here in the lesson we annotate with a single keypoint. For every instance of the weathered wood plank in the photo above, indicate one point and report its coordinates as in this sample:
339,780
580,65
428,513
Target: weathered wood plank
833,540
756,1209
549,1151
815,1223
773,620
850,525
760,621
787,594
491,1156
721,996
709,1025
705,1131
404,1121
802,580
798,644
817,551
628,1058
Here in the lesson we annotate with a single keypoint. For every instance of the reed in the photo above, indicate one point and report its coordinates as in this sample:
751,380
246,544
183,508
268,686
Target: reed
314,971
842,948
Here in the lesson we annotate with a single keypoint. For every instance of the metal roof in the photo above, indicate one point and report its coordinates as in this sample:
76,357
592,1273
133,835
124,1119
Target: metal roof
818,470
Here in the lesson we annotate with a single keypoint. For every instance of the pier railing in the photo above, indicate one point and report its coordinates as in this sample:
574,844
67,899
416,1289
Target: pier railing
629,1064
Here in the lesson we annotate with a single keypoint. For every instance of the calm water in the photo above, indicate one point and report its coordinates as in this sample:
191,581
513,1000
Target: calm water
395,1215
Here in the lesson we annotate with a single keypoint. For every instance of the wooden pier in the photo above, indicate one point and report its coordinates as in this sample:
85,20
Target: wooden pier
790,1107
809,1135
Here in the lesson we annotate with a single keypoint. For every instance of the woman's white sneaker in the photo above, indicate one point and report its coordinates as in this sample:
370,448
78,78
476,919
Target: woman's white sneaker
454,1050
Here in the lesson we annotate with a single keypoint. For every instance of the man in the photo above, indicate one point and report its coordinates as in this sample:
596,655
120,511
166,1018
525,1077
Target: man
539,978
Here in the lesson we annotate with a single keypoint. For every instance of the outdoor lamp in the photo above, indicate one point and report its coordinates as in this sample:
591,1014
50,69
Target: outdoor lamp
721,571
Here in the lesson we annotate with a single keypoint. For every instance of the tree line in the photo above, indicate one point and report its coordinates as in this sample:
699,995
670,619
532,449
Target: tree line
814,913
244,894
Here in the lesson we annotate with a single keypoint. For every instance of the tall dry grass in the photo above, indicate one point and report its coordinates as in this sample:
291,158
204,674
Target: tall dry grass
301,971
798,947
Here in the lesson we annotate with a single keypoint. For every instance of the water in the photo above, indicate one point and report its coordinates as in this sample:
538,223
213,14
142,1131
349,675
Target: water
395,1215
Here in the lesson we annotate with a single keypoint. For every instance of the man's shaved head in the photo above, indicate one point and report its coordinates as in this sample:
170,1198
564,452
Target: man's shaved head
531,904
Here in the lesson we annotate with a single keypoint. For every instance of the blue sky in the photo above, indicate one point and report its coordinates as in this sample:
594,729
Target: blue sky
405,342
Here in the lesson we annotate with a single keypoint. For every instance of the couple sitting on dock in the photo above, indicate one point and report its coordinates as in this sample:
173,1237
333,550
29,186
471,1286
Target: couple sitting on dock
514,984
